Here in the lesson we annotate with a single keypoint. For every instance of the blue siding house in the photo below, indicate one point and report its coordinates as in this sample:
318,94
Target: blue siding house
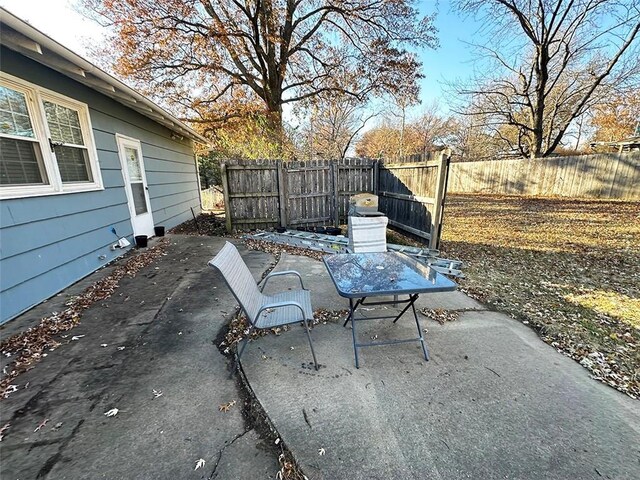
81,155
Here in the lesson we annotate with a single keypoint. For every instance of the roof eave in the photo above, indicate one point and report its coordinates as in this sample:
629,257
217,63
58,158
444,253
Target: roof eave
33,43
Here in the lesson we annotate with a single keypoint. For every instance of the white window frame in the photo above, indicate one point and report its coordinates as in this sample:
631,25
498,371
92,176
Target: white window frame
35,95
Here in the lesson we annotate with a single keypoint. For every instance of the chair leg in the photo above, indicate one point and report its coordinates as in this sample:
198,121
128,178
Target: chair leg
306,326
241,351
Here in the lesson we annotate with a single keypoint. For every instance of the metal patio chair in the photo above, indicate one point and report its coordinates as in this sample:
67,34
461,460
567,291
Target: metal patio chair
263,311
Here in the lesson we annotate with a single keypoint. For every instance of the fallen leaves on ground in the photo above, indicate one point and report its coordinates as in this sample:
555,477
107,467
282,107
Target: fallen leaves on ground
441,315
569,268
41,425
239,327
207,224
4,428
289,470
29,347
225,407
277,249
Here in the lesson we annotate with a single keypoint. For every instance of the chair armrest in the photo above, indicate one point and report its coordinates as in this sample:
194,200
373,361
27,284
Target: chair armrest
279,274
280,305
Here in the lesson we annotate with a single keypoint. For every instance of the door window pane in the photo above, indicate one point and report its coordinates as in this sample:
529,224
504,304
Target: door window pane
133,164
14,116
64,124
139,201
20,163
73,164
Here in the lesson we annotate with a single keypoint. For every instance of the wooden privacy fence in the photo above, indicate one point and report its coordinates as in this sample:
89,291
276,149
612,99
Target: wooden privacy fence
607,175
272,193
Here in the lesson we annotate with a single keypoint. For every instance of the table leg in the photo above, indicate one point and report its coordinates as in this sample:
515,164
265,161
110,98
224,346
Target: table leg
424,346
412,299
352,311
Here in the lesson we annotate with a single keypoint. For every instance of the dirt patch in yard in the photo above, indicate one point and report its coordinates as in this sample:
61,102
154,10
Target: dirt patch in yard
569,268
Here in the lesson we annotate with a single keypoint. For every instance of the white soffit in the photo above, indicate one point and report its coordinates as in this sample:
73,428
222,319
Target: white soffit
21,37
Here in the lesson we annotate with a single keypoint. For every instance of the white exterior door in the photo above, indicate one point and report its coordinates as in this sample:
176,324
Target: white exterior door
135,183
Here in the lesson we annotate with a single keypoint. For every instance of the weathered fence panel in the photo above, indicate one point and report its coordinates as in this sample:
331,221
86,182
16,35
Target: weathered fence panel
607,175
273,193
251,194
309,193
411,194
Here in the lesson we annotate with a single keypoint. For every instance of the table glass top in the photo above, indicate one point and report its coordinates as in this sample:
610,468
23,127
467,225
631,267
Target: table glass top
389,273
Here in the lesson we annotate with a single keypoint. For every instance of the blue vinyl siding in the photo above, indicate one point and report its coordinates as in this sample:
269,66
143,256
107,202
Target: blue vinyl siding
48,243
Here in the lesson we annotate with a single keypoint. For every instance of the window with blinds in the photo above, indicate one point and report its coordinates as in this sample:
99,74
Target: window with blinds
68,145
19,147
46,145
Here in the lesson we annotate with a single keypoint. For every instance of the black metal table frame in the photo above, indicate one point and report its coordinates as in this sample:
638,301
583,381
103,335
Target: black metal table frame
361,301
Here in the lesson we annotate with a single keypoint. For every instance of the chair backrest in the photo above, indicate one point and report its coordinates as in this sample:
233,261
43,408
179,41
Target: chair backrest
239,279
367,234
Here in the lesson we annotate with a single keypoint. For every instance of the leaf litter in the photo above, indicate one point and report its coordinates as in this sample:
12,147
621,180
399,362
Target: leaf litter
28,347
569,268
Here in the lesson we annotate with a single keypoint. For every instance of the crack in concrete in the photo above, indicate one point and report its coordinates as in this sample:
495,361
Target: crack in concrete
214,473
51,461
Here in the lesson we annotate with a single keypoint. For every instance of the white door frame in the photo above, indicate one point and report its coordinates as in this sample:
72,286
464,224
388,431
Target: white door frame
142,224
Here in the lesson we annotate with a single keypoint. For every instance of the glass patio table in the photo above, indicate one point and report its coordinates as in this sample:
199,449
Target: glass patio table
358,276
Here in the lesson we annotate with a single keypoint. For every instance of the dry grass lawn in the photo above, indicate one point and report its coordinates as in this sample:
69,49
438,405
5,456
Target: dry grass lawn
569,268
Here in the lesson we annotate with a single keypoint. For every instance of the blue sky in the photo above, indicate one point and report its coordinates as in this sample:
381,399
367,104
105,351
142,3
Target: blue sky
58,19
452,59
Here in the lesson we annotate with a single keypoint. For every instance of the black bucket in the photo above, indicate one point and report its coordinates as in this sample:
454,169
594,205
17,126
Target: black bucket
334,231
141,241
159,231
321,230
281,229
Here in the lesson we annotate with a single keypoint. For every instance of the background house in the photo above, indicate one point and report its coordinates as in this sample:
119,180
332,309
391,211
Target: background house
81,155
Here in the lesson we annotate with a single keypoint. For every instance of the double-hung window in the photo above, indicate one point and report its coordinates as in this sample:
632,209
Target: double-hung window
46,144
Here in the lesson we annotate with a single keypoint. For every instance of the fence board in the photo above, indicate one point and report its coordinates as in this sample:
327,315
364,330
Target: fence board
266,194
611,176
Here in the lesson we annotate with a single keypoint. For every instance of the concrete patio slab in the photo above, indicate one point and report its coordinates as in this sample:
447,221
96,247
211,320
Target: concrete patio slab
167,319
494,401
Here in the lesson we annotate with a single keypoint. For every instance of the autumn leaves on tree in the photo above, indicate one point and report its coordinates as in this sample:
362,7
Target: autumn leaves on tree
224,59
547,76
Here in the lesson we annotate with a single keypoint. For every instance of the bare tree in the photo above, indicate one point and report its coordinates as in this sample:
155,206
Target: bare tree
219,55
335,122
435,129
550,61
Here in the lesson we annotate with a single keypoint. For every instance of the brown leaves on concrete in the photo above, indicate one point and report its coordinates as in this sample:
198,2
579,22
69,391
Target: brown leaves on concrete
207,224
277,249
28,347
239,328
441,315
289,469
569,268
225,407
3,430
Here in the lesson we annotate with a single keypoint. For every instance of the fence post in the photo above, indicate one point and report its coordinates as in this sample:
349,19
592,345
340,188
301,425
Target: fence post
334,169
376,176
437,208
282,194
225,190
